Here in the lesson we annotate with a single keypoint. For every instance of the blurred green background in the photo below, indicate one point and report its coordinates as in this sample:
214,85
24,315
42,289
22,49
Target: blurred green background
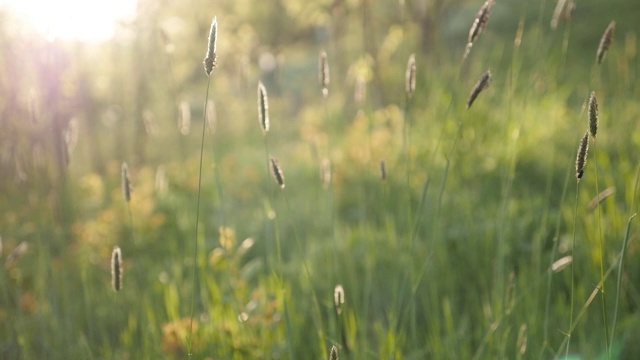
448,257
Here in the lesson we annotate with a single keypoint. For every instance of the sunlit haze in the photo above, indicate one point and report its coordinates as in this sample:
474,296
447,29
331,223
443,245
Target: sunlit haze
86,20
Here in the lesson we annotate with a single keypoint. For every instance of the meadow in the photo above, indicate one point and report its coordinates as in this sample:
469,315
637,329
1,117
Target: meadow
350,180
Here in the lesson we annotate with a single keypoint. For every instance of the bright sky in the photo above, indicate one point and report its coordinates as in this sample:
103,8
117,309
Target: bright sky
87,20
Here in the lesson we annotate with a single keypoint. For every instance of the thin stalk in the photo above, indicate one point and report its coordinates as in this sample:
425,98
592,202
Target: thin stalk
584,308
621,264
406,138
130,221
604,298
551,261
316,303
623,252
573,249
195,248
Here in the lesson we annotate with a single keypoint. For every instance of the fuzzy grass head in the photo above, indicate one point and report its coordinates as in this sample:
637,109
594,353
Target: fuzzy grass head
605,42
263,107
210,58
593,115
116,269
333,353
410,77
581,158
323,73
338,298
278,175
126,182
479,25
482,84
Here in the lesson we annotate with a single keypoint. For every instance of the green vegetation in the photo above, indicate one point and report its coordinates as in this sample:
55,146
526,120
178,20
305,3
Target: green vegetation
477,243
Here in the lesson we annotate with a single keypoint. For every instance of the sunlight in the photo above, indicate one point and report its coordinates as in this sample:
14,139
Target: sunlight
84,20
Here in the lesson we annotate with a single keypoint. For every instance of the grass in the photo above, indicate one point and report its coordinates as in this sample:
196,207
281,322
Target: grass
450,256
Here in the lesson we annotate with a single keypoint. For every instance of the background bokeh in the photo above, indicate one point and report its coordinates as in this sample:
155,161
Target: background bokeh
448,257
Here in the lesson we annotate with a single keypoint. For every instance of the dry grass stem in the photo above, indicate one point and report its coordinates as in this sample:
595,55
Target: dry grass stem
482,84
410,77
605,42
518,40
521,342
561,263
323,73
479,24
263,107
116,269
277,172
581,158
601,197
210,58
126,183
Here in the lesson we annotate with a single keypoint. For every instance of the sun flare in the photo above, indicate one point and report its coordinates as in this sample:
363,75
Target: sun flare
84,20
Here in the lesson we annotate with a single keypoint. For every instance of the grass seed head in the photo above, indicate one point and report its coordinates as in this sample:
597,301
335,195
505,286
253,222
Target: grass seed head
383,170
479,24
116,269
593,115
210,58
16,254
126,183
482,84
410,77
263,107
333,354
277,172
323,73
481,20
581,158
605,42
563,11
338,298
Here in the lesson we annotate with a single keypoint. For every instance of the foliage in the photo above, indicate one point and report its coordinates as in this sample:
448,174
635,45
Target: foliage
448,257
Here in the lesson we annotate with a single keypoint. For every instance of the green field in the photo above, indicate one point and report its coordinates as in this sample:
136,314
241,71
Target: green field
454,232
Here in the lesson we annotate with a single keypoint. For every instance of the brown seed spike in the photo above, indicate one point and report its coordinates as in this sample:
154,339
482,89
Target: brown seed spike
593,115
482,84
126,183
323,73
479,24
116,269
333,354
263,107
410,77
605,42
338,298
210,58
277,172
581,158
